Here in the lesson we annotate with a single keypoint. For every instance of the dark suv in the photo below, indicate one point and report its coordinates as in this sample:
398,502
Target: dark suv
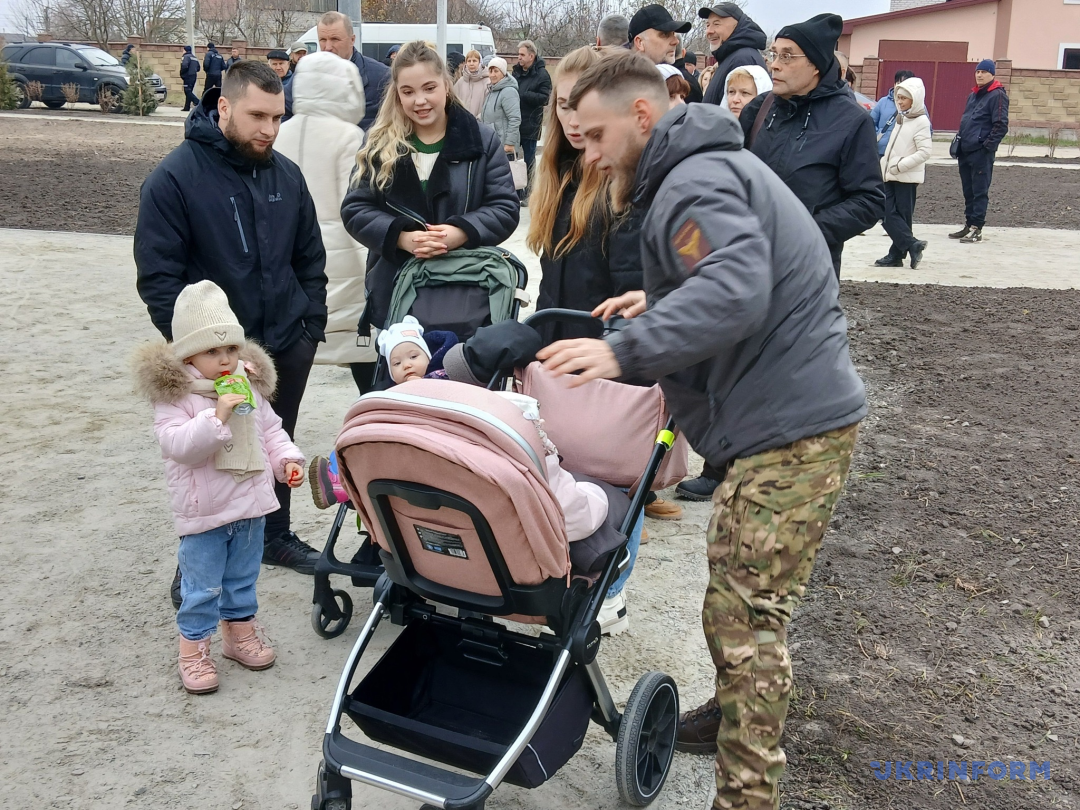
54,64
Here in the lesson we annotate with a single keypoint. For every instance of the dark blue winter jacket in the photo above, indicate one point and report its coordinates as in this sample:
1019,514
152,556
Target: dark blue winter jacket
213,63
189,69
209,212
986,118
375,77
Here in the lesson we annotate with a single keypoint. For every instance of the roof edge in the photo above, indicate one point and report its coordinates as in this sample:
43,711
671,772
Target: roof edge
949,5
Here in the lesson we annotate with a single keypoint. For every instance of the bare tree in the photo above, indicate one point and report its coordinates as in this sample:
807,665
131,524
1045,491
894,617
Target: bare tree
153,20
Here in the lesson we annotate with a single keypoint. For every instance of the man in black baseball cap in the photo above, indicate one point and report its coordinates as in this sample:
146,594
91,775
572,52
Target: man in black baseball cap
736,41
654,32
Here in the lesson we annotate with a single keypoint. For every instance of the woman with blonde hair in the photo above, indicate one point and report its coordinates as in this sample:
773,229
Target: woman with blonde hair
429,179
472,84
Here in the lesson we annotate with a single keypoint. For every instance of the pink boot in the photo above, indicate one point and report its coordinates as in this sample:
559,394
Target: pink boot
241,643
326,488
197,670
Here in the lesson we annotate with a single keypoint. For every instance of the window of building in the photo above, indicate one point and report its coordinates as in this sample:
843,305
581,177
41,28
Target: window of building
1070,59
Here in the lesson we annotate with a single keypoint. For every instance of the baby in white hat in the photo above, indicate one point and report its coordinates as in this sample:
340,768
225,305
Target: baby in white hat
406,352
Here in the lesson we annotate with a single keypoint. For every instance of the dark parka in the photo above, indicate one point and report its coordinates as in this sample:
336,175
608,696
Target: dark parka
207,212
824,147
534,89
606,262
986,119
375,77
695,96
213,63
742,48
189,69
744,328
470,187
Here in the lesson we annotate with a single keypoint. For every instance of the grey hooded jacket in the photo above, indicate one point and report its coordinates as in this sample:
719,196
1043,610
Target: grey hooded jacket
744,328
502,110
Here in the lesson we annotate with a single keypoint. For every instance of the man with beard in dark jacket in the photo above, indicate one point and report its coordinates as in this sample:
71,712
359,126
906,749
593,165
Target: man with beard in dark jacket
736,40
812,133
740,322
223,206
534,90
984,123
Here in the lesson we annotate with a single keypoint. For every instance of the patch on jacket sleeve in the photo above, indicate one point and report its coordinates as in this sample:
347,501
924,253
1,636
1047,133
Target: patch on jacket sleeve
690,244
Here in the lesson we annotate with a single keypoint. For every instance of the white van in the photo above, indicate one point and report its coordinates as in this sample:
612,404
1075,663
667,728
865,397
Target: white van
373,40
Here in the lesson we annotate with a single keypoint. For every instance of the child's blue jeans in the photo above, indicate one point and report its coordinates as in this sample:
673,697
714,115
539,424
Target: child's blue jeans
219,569
632,547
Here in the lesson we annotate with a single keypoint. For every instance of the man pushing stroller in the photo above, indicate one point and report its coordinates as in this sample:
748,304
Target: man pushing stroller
740,322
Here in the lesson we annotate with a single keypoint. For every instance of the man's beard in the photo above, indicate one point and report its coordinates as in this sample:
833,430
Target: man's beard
622,181
246,148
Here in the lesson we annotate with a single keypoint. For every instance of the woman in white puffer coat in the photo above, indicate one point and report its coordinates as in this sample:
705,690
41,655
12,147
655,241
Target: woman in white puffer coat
904,168
322,138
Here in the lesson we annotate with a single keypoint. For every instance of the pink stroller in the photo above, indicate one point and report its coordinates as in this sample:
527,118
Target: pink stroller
450,479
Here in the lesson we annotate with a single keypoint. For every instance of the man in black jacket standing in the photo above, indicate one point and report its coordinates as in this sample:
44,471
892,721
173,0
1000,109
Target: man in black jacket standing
534,90
337,36
984,123
189,72
736,40
223,206
820,142
213,66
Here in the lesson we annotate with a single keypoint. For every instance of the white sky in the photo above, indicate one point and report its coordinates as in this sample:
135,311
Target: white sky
771,15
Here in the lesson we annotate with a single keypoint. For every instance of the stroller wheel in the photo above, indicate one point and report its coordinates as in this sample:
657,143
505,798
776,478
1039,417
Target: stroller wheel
336,801
330,626
646,742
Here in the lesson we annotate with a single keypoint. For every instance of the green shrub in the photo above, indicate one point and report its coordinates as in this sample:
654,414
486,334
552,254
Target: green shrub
9,93
138,98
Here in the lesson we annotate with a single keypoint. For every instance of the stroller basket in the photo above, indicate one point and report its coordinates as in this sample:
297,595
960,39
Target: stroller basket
445,692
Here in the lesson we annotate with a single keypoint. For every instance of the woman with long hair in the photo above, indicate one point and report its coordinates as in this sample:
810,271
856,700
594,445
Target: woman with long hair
587,250
429,179
472,84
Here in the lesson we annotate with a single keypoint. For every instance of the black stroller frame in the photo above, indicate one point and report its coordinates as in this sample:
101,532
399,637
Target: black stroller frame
332,608
644,732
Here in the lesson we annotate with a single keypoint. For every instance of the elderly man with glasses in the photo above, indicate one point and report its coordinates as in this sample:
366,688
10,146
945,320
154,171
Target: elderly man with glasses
823,145
813,134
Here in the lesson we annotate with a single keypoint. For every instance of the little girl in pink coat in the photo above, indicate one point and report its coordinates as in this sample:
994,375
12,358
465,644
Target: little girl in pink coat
220,467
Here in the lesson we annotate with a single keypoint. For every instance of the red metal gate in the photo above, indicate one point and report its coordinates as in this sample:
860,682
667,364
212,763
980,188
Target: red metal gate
948,85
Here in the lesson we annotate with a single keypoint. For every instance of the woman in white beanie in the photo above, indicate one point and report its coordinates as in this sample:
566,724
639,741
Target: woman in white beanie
220,467
322,138
502,107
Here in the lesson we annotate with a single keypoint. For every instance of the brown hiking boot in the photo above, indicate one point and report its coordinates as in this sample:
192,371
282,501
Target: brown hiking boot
663,510
698,729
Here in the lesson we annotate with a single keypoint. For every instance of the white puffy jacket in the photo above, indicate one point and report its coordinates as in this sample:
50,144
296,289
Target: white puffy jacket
910,144
322,138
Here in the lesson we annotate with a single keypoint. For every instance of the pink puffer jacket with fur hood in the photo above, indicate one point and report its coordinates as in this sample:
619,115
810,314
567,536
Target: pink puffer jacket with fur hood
204,498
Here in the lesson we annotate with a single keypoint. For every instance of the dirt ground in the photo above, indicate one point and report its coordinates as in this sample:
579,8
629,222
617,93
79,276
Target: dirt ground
88,168
941,621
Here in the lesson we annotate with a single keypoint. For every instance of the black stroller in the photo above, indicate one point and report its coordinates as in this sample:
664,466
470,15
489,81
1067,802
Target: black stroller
447,480
493,291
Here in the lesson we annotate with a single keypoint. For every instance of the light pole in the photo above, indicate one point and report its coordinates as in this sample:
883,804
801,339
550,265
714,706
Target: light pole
190,24
440,28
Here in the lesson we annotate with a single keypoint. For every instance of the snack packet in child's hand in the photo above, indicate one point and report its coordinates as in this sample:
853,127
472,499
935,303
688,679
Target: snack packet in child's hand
236,384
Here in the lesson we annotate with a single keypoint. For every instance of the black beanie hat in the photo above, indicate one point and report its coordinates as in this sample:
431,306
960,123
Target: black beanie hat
817,37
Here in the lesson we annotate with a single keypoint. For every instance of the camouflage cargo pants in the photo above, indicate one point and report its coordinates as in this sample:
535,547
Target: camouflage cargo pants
769,517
